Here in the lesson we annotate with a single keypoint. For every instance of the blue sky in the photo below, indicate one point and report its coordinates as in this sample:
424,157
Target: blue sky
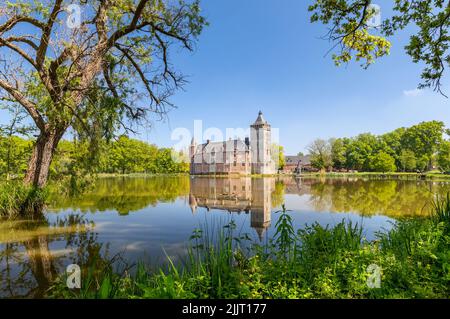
265,55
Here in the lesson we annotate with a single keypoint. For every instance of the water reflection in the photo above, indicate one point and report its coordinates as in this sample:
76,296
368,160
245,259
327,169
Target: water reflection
392,198
124,194
235,195
142,215
34,252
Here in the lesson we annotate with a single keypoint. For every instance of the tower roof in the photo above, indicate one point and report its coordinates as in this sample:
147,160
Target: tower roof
260,119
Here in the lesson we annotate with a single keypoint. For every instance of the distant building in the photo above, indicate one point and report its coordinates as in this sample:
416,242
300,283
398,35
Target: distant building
297,164
251,156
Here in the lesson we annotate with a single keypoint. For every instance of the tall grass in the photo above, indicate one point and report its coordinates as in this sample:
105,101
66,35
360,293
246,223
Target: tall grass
17,199
441,207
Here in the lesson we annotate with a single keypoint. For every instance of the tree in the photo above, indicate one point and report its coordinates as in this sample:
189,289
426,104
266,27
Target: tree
351,30
339,152
407,161
359,151
424,140
278,156
132,156
392,143
443,158
422,163
382,162
320,151
54,67
12,148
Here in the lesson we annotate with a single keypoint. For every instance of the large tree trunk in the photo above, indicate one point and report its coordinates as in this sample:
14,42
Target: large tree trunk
40,261
41,159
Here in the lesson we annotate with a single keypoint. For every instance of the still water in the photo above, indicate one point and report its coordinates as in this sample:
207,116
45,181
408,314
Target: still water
148,219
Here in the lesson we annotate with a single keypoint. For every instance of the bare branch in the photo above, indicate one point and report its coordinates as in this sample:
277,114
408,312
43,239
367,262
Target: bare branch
47,30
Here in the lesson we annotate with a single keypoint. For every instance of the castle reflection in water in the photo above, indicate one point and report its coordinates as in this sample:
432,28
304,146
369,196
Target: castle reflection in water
249,195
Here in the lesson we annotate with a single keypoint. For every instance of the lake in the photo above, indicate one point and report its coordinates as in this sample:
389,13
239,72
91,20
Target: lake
148,219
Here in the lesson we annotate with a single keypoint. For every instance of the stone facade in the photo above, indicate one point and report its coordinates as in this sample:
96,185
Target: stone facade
235,157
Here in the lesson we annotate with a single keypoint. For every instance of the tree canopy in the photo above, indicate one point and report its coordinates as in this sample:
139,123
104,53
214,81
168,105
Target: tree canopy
417,148
351,30
82,69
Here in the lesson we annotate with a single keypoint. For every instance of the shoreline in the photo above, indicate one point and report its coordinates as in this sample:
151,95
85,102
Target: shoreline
376,175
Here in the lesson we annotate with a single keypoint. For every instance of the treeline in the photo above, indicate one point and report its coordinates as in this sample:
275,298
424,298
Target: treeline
419,148
121,156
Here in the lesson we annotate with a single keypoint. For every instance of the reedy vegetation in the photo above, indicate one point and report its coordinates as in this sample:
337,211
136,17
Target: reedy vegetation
17,200
314,262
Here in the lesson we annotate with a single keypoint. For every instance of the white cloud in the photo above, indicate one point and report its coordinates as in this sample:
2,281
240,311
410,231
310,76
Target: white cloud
412,93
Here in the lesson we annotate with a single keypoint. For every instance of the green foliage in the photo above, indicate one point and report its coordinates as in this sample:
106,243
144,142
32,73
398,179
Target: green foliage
338,152
382,162
130,156
77,160
93,89
407,161
13,149
14,153
320,151
443,157
405,149
353,35
19,200
424,140
368,47
315,262
441,206
278,156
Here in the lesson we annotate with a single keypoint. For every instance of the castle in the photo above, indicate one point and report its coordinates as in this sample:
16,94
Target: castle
251,156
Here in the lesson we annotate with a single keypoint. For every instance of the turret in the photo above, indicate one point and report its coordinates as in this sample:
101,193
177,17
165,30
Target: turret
261,146
192,150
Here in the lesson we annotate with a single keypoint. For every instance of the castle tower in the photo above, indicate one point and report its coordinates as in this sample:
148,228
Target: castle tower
192,149
261,146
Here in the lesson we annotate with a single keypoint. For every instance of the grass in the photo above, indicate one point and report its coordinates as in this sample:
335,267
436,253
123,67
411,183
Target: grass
16,199
313,262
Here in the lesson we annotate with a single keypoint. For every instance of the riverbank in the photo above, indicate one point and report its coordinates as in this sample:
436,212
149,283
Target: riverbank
393,175
107,175
410,261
